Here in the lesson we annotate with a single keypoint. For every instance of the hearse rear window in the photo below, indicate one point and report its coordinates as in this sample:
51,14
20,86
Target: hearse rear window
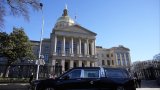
115,73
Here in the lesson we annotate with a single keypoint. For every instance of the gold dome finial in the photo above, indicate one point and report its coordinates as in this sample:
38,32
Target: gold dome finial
65,11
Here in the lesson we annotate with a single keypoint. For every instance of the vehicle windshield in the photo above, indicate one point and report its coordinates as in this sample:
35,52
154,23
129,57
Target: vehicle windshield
116,73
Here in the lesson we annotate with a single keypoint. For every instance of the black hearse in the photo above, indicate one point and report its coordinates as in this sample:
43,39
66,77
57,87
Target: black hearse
89,78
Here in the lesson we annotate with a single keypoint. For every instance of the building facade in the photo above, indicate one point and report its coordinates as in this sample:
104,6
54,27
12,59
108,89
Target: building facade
70,45
114,57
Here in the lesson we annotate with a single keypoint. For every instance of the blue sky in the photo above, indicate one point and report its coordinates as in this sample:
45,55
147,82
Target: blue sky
131,23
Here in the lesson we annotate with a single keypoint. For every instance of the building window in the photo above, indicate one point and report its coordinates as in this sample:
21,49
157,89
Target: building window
124,64
112,62
75,47
127,62
46,58
75,64
123,59
59,47
118,56
127,56
90,50
122,55
107,55
111,55
46,49
119,62
103,62
83,65
108,62
67,48
102,55
82,48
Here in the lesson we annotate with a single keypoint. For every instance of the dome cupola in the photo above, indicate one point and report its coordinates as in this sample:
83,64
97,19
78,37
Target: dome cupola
64,20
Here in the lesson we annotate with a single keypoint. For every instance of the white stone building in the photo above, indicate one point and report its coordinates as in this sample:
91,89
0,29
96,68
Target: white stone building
114,57
71,45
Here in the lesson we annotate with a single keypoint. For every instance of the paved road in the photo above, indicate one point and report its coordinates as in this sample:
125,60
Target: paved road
146,85
149,84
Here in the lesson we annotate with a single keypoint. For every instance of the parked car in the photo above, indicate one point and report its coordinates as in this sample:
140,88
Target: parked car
89,78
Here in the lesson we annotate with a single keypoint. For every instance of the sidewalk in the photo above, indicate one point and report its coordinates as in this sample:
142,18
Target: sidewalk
14,86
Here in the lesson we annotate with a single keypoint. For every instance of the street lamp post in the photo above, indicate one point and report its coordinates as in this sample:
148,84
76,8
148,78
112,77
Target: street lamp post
40,57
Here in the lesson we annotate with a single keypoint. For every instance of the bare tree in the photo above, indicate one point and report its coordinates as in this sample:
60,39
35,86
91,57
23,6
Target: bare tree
17,8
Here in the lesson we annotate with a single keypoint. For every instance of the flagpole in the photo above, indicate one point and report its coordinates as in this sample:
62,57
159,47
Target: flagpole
40,46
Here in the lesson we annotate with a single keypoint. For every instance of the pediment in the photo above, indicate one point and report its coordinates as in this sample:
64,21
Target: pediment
77,29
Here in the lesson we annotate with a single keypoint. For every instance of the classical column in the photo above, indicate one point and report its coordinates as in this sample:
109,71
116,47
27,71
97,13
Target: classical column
121,59
116,60
63,65
79,63
55,44
96,64
88,63
93,64
92,47
63,47
87,47
80,47
125,59
71,46
52,66
129,59
77,49
71,64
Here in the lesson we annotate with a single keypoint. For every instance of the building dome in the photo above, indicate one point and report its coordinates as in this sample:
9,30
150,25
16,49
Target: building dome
64,20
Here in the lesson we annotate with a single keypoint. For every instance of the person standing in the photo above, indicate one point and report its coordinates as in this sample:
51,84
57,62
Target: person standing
136,79
139,82
31,78
54,76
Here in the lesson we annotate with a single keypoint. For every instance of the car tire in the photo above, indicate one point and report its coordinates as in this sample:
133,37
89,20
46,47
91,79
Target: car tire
120,88
49,88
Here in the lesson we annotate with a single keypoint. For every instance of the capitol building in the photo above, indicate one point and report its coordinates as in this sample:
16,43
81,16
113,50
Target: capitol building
71,45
